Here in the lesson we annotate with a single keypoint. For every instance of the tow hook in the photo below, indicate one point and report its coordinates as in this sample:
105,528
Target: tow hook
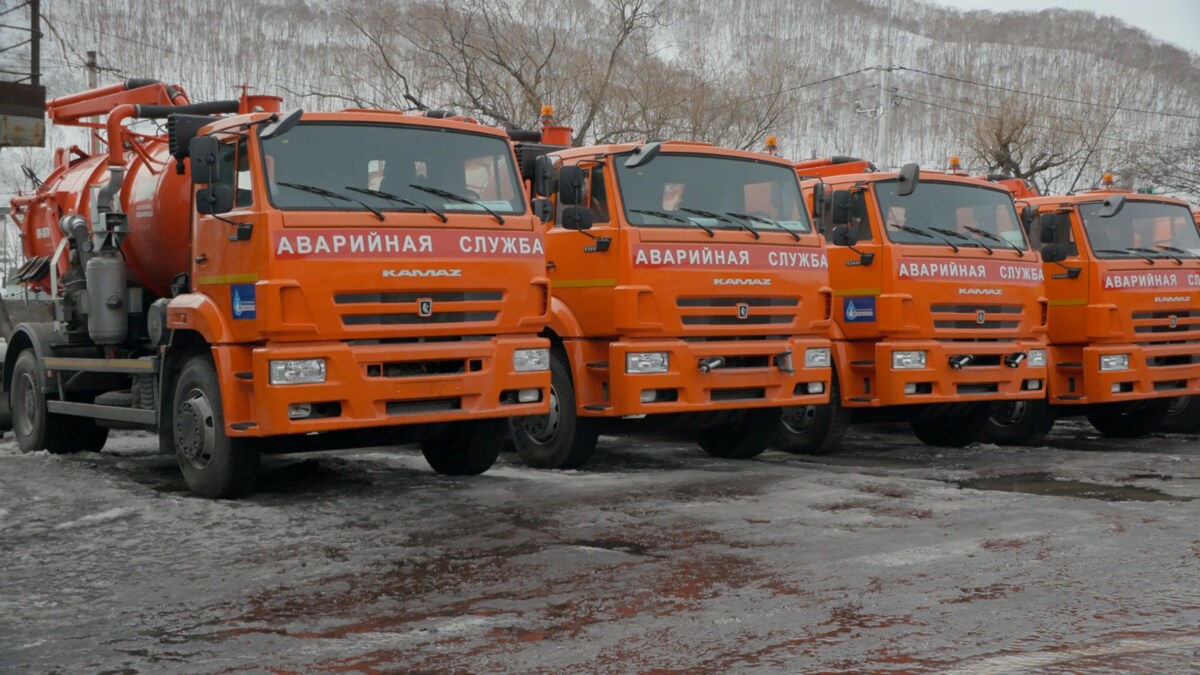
784,362
1014,360
711,363
957,362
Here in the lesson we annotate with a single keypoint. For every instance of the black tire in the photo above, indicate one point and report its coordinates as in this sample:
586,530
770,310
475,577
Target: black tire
1123,420
952,432
465,448
1019,423
35,427
748,438
561,439
1183,415
814,429
213,464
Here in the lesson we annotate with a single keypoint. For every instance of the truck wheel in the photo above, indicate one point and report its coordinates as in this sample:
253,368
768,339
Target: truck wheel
746,439
1183,415
34,426
814,429
952,432
465,448
560,439
213,464
1122,420
1019,423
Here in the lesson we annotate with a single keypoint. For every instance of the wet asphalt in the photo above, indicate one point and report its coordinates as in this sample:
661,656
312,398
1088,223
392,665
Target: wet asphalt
890,557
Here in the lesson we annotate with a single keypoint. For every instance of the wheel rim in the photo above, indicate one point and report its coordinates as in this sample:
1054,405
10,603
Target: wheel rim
1009,414
1177,405
542,429
195,429
25,401
799,419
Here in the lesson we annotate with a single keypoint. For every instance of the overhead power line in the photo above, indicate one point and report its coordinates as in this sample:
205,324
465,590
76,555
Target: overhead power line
1051,97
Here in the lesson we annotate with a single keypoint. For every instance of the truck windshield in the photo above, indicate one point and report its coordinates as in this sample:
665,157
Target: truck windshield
386,166
967,215
1143,227
686,191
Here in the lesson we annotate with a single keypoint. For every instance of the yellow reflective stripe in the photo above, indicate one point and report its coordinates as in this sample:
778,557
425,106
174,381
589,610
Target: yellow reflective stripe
857,291
1077,302
228,279
584,283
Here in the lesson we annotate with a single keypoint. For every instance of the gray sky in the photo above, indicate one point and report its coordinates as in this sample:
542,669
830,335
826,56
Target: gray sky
1174,21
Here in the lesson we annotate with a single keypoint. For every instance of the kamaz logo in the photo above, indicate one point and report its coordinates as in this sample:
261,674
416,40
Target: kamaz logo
1174,321
392,274
743,310
1173,298
424,307
980,291
741,282
981,317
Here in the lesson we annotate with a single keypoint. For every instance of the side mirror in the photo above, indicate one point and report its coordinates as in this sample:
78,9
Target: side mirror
1028,215
839,207
542,178
215,199
570,185
842,236
543,209
282,125
1054,253
643,155
203,151
910,175
1048,226
818,200
577,218
1112,206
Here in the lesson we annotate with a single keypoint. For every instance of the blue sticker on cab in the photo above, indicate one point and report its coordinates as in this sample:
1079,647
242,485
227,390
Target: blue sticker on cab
242,300
859,309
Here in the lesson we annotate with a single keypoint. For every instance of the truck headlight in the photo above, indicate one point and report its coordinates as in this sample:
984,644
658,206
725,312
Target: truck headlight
1114,362
1037,358
646,362
816,357
908,360
298,371
530,360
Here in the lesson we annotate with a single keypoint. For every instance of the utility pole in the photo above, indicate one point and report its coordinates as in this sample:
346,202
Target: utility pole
93,77
885,95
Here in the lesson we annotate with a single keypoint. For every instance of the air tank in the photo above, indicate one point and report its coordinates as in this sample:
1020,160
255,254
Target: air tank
108,298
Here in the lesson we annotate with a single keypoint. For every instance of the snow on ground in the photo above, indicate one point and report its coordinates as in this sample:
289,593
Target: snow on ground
1080,554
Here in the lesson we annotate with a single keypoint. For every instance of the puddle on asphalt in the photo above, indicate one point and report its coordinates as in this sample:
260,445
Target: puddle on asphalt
1045,484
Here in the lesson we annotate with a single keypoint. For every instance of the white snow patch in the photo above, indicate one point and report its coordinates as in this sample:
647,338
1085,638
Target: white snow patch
97,518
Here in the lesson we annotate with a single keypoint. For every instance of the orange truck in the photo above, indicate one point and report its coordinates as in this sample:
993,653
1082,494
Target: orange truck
689,292
253,281
1123,279
939,307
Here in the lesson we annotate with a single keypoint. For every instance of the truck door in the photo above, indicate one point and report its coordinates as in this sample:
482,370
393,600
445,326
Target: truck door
582,272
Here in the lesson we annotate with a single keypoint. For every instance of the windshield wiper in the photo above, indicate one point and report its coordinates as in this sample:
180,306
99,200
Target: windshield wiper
718,217
1161,254
988,235
400,200
456,197
776,223
330,193
1177,250
1126,251
924,233
971,240
667,216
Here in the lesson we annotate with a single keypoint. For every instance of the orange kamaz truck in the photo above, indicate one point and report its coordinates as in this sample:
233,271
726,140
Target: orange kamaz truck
1123,278
251,281
939,307
689,292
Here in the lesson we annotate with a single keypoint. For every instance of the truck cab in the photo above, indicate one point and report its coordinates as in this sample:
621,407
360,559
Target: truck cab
939,308
689,291
1122,275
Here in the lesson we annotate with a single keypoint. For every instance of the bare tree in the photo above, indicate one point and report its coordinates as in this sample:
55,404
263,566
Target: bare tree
1017,140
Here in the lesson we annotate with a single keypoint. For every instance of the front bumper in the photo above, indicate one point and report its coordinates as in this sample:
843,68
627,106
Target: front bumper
684,388
986,378
382,385
1155,371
